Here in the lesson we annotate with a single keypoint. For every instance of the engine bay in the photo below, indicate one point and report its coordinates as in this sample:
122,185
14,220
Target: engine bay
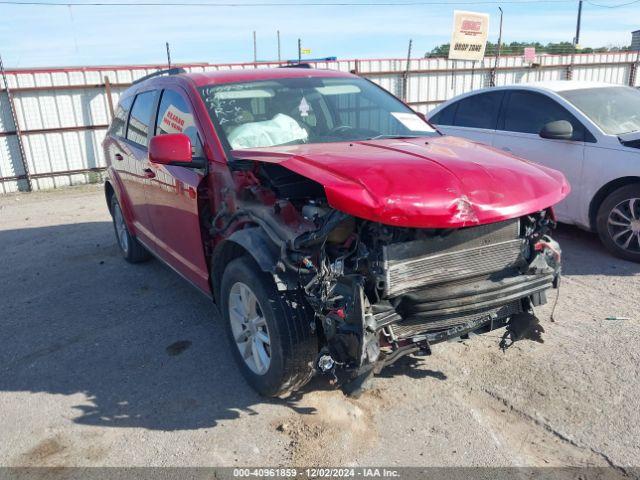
378,292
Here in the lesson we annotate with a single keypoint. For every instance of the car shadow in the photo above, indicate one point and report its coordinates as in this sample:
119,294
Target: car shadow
583,254
412,367
142,347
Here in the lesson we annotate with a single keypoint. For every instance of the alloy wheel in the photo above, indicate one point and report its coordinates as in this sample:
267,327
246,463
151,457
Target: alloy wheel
623,224
121,229
249,328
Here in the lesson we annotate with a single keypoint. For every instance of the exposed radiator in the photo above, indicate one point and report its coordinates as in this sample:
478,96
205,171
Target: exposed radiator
415,326
459,254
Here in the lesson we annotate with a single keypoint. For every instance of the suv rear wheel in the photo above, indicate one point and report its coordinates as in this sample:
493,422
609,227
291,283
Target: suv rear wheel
131,249
269,333
618,222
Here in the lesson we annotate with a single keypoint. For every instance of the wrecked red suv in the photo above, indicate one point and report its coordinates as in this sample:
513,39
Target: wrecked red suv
335,229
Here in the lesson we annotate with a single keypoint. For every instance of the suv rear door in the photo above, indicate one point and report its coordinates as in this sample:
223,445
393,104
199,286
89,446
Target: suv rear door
132,161
172,194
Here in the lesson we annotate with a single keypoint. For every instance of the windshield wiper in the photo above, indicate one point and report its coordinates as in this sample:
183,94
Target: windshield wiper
379,137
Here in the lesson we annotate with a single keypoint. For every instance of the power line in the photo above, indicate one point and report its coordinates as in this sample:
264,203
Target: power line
300,4
612,6
290,3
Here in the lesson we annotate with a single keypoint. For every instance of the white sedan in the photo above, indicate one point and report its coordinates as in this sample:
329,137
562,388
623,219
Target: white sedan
588,131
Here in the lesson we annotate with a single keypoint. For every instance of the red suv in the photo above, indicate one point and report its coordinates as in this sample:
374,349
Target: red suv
333,226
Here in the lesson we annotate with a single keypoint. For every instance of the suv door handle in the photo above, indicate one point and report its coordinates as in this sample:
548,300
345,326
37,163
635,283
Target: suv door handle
149,173
118,157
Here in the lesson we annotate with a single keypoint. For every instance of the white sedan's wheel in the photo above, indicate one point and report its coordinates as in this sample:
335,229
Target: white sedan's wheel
249,328
618,222
624,224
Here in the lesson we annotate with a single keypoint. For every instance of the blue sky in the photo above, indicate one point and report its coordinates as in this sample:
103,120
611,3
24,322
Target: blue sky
59,35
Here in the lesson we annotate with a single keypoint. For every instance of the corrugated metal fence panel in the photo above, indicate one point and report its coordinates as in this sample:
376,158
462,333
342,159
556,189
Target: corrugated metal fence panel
10,163
69,100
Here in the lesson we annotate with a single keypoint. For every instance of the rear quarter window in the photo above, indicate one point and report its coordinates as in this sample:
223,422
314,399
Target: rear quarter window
119,121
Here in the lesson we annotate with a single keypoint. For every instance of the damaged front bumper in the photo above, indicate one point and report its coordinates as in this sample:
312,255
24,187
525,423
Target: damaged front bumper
375,293
472,281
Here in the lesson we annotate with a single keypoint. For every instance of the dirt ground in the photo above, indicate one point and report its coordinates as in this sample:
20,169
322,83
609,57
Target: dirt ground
106,363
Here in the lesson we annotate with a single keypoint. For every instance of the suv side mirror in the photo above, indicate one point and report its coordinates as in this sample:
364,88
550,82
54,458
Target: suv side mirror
558,130
173,149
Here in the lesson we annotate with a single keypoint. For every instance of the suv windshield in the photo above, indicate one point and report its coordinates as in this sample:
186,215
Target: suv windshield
616,110
308,110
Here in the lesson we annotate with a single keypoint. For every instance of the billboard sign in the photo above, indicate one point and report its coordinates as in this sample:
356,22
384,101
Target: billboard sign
469,37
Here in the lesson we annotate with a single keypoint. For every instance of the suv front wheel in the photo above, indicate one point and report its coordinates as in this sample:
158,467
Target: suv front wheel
269,332
618,222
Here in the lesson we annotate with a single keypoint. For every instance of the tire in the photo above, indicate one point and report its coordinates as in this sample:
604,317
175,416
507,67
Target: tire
618,222
287,359
130,248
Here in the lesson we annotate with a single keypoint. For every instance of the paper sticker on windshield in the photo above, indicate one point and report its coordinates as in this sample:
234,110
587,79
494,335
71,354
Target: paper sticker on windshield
304,107
176,121
412,121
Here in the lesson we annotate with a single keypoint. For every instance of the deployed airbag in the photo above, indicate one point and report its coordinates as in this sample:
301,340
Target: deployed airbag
280,130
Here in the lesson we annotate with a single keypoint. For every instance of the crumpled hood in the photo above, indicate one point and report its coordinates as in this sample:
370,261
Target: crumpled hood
435,182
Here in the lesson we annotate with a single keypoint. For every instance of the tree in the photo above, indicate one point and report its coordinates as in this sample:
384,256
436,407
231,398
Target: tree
439,51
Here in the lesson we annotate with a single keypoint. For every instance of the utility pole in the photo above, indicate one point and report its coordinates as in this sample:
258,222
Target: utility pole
495,65
576,39
576,42
168,55
405,77
633,71
299,51
255,48
279,55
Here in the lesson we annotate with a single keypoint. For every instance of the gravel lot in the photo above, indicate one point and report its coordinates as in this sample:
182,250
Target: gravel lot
106,363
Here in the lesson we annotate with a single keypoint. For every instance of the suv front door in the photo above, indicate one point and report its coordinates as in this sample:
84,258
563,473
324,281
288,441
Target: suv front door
523,115
172,195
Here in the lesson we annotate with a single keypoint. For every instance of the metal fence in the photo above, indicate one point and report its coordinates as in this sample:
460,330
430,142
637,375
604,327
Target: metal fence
52,121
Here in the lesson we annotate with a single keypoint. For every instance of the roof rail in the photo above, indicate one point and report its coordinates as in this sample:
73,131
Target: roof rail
169,71
296,65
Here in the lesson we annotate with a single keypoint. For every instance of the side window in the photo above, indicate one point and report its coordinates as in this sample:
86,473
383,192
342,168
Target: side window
528,112
175,115
140,118
479,111
445,116
120,117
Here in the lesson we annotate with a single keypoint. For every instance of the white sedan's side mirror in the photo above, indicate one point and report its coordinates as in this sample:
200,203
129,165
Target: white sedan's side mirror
558,130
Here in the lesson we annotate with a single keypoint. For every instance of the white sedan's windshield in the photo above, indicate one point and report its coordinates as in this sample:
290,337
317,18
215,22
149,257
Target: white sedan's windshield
616,110
308,110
